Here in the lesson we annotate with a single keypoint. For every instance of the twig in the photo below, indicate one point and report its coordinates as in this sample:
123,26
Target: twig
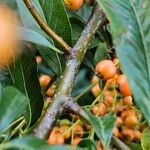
65,86
45,27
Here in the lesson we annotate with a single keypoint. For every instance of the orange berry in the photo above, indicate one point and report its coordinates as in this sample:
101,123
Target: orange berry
119,122
137,135
65,132
127,100
128,133
78,130
96,90
95,109
109,100
126,113
116,132
73,4
76,140
95,79
38,59
60,139
8,40
102,109
124,85
131,121
53,136
106,68
44,80
50,92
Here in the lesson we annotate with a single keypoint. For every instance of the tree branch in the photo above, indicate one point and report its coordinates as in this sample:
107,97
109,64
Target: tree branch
65,86
45,27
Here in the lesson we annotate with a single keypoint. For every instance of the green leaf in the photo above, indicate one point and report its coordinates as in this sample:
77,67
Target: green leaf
130,24
33,143
12,106
82,14
100,53
36,38
24,76
29,22
57,19
87,143
103,127
145,140
26,18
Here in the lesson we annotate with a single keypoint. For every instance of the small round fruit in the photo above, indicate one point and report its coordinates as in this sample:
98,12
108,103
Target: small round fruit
38,59
50,92
128,134
124,85
109,100
60,139
78,130
126,113
96,90
137,135
64,131
76,140
73,4
102,109
44,80
127,100
95,109
95,79
106,69
131,121
119,122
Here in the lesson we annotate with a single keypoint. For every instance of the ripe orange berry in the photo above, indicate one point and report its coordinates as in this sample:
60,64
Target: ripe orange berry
95,110
64,131
127,100
128,133
124,85
50,92
53,136
109,100
137,135
78,130
8,39
44,80
102,109
119,122
95,79
38,59
131,121
60,139
96,90
76,140
106,69
73,4
126,113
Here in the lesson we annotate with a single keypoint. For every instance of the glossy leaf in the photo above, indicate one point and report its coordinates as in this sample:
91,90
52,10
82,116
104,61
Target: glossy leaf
103,127
87,143
145,140
29,22
57,19
24,77
32,143
12,106
36,38
130,24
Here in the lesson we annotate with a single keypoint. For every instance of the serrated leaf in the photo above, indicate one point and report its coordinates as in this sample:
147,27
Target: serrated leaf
130,24
12,106
103,127
24,77
145,140
36,38
32,143
57,19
